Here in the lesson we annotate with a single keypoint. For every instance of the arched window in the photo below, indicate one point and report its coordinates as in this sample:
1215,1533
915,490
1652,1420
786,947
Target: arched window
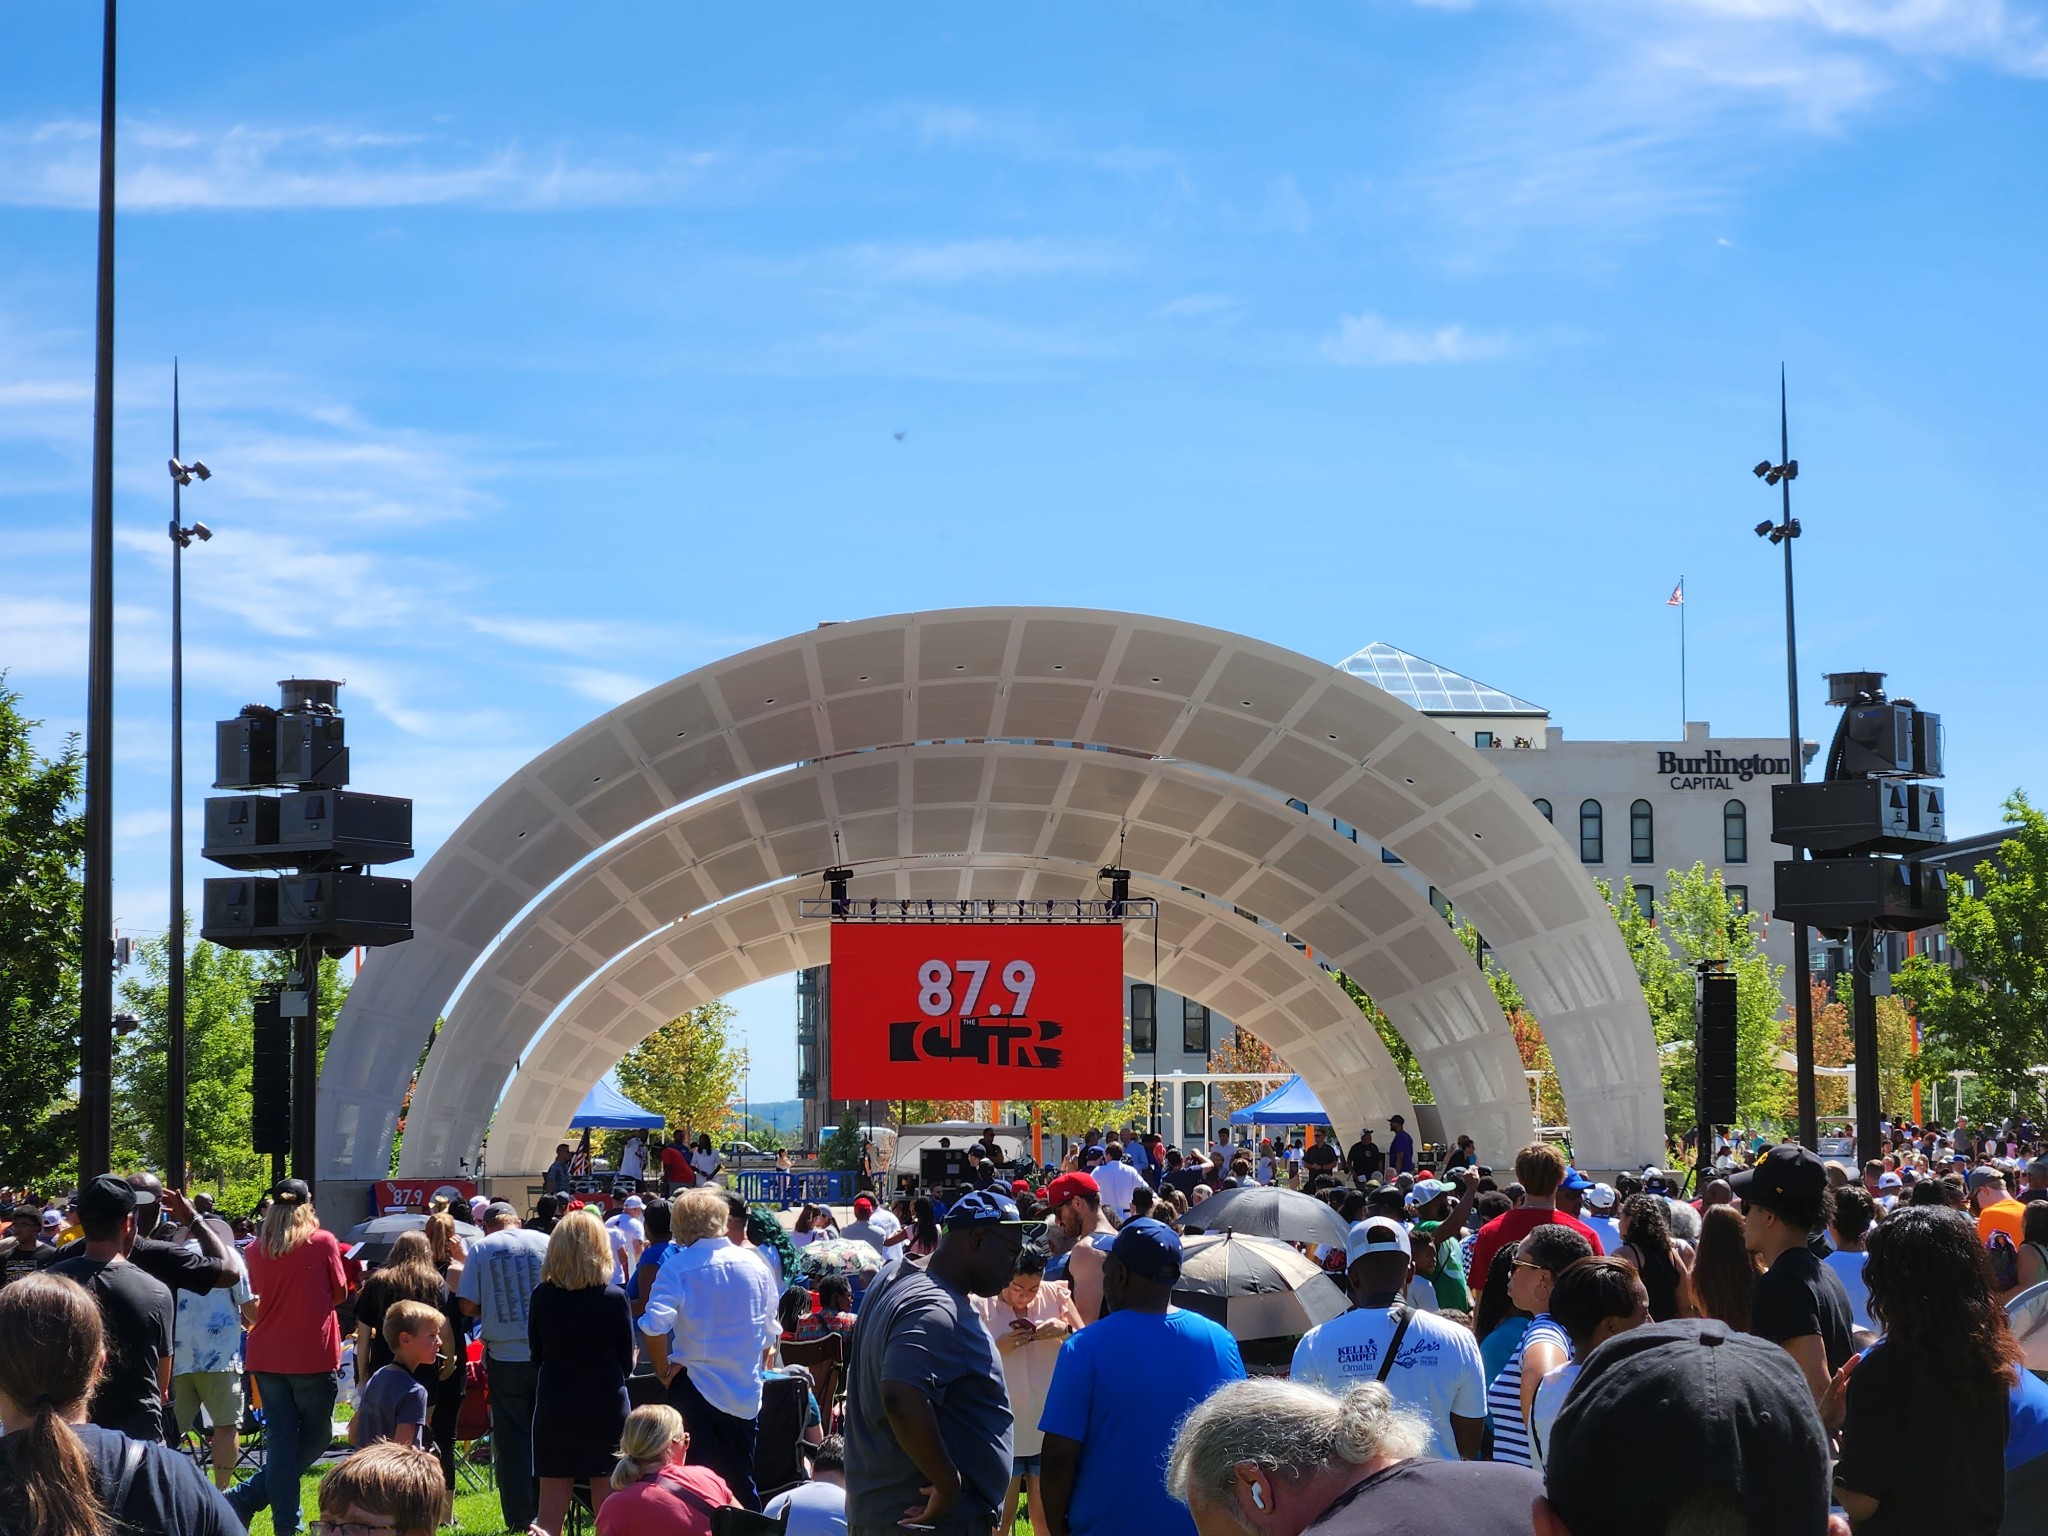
1642,833
1734,833
1544,807
1592,848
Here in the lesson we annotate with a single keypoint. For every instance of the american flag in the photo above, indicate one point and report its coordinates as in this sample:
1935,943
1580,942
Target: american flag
579,1160
1677,597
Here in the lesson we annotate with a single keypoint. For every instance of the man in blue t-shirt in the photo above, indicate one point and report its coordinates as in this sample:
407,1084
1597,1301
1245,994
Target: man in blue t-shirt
1104,1468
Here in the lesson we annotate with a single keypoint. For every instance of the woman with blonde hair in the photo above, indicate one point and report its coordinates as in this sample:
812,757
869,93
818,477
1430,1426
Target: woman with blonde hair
59,1474
293,1350
654,1491
581,1334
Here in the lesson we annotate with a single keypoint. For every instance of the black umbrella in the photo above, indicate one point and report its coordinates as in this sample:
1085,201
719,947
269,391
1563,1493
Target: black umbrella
376,1235
1257,1287
1263,1210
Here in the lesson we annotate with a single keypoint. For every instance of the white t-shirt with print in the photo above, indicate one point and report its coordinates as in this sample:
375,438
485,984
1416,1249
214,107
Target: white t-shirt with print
1437,1371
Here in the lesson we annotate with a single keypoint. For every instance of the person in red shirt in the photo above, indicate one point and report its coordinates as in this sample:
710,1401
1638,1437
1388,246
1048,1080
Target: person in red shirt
293,1350
1539,1168
676,1169
655,1491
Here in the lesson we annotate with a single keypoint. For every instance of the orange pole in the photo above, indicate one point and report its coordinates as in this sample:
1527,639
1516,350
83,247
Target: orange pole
1912,949
1037,1138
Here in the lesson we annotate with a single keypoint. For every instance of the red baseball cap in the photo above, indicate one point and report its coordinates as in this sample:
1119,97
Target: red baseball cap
863,1205
1020,1186
1068,1185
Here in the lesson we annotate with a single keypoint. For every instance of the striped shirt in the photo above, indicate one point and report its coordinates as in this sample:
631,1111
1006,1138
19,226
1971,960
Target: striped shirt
1504,1397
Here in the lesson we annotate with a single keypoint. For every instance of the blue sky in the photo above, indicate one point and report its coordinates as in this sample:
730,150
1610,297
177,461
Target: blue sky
543,354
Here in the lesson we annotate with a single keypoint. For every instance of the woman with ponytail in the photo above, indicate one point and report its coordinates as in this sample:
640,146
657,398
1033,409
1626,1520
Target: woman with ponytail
294,1350
59,1475
654,1492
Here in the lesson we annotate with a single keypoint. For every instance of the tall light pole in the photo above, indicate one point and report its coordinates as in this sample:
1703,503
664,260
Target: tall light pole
96,955
1782,474
182,475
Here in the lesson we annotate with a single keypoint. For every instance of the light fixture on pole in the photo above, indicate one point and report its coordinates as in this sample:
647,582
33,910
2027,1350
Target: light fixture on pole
182,536
1781,475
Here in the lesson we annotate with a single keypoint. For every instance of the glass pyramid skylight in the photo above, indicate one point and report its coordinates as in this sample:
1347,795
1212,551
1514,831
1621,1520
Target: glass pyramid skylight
1429,687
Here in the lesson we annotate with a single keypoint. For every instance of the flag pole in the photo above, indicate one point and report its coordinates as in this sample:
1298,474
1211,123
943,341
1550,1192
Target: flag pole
1682,710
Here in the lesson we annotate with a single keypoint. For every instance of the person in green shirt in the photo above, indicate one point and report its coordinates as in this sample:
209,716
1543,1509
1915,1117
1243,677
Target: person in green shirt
1440,1222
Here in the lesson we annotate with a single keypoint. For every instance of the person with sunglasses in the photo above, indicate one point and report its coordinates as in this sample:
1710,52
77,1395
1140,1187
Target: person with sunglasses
1539,1259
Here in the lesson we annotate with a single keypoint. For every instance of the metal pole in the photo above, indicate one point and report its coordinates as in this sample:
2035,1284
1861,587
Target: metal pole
174,1057
96,973
1802,974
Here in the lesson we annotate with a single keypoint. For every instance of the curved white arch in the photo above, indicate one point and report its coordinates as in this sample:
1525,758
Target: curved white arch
1152,686
1206,951
1184,825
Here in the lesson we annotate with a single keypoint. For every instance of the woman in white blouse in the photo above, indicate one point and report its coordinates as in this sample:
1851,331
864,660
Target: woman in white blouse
1028,1319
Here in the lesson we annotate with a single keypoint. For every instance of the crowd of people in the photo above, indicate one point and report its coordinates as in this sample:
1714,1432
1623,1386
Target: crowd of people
1800,1345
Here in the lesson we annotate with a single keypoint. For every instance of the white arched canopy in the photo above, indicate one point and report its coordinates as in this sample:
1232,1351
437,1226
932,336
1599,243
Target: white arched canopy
1148,686
1206,951
1192,828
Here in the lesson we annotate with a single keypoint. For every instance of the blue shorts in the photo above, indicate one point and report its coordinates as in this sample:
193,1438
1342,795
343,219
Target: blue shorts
1024,1466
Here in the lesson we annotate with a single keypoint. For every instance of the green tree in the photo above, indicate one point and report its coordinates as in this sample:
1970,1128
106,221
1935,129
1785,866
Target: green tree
1244,1051
1696,920
689,1070
842,1148
1075,1117
42,851
1404,1059
1987,1012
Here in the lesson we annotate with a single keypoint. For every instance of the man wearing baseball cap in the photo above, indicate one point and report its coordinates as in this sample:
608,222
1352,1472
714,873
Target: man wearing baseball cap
928,1424
136,1307
24,1252
877,1228
1076,1201
1799,1302
1427,1362
1104,1467
1686,1426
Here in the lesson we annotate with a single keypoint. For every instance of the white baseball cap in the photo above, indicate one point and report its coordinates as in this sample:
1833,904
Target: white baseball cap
634,1203
1601,1197
1375,1234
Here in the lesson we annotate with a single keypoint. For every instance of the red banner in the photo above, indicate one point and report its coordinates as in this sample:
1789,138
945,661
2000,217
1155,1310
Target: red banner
977,1011
414,1195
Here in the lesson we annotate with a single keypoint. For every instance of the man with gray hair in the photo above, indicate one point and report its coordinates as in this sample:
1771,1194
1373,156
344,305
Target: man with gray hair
1273,1458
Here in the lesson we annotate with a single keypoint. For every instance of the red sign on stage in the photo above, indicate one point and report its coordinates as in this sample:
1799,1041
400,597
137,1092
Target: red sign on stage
413,1196
977,1011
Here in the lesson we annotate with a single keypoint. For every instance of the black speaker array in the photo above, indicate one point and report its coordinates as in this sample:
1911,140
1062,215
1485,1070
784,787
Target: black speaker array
271,1082
1716,1050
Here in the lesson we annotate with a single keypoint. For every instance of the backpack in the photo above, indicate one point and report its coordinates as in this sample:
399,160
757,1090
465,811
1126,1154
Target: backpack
2005,1261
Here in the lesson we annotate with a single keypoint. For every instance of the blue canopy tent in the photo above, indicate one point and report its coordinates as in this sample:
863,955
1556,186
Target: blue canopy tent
604,1108
1290,1104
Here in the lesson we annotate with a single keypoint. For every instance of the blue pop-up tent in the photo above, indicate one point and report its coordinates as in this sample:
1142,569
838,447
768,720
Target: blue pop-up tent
604,1108
1290,1104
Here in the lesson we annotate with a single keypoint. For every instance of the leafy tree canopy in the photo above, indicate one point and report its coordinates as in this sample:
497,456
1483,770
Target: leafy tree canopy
689,1070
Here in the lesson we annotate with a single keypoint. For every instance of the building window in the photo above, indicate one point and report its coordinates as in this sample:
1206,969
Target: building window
1592,843
1442,903
1734,833
1646,902
1144,1016
1194,1109
1544,807
1738,898
1194,1027
1483,739
1642,833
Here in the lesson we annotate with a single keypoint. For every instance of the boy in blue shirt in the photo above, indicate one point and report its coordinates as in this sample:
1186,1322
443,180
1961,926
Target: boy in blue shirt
394,1405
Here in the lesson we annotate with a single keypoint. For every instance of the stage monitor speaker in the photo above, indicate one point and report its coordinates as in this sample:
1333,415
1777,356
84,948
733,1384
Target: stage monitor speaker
1716,1049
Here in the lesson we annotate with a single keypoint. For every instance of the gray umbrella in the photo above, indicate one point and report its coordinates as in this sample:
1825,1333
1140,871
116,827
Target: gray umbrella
1257,1287
1264,1210
378,1234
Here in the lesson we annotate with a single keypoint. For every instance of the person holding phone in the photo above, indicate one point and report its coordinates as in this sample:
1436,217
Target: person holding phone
1028,1319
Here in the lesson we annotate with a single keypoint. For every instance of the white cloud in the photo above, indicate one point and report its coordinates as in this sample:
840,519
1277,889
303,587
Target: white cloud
960,261
1286,209
1370,340
603,687
168,168
1195,305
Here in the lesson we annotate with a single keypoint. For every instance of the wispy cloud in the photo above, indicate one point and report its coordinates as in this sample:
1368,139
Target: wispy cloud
1369,340
1193,306
170,168
960,261
1030,139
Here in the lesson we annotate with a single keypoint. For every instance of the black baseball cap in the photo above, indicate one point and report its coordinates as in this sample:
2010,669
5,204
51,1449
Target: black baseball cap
106,1198
1783,1173
1721,1415
291,1192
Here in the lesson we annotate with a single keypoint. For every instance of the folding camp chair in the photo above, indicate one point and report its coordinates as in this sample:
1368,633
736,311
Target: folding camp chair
824,1358
473,1468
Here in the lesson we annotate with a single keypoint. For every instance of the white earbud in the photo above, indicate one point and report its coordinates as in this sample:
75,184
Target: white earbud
1258,1497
